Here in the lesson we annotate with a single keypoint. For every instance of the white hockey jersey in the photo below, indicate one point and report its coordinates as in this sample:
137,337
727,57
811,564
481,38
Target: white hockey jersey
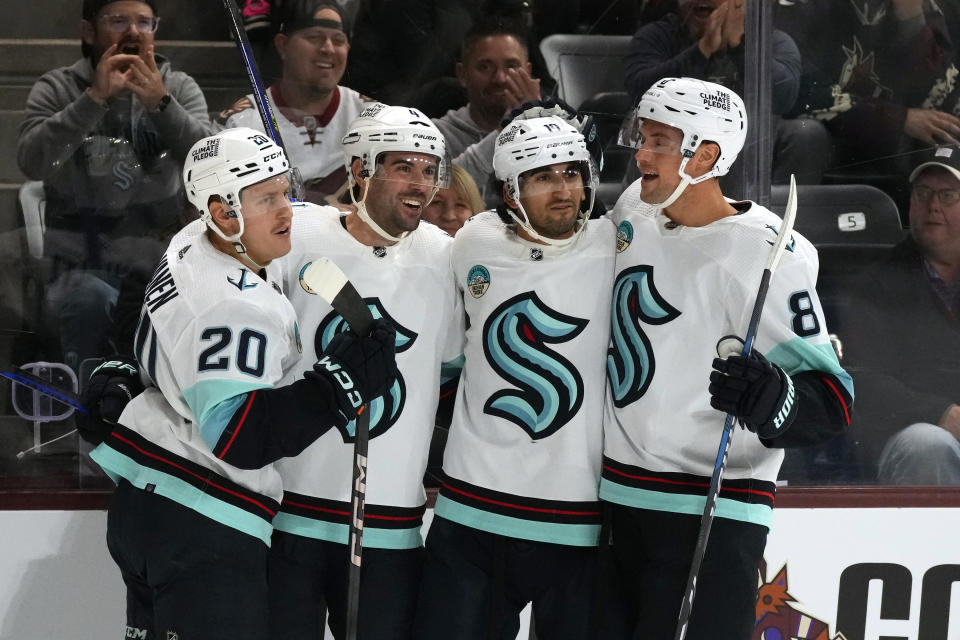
210,331
677,291
524,450
313,142
409,283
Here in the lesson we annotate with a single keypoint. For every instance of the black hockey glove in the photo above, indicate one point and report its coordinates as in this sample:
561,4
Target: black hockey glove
756,391
358,369
111,386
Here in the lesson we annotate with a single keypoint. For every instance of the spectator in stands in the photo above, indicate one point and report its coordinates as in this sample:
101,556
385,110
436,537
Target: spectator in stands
496,73
451,207
902,336
878,75
108,135
704,39
311,108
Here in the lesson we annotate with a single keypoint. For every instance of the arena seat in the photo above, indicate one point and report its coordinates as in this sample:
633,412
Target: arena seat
842,214
584,65
32,206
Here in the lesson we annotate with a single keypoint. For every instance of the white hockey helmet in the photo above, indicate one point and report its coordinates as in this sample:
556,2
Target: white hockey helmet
223,165
703,111
524,145
380,129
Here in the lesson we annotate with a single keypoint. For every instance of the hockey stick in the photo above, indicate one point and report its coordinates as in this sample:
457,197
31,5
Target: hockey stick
706,520
40,385
325,279
243,45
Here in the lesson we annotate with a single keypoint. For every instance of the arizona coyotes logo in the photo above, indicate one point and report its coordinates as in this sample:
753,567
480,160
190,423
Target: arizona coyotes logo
385,409
550,387
778,620
630,360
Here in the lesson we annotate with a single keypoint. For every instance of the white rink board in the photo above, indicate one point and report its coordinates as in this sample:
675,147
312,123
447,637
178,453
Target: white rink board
58,581
818,546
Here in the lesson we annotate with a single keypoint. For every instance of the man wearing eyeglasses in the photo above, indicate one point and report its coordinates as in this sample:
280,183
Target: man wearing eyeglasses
312,110
904,338
107,136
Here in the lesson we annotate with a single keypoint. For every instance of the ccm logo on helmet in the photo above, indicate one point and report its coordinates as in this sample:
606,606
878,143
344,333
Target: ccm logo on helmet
343,379
271,156
719,100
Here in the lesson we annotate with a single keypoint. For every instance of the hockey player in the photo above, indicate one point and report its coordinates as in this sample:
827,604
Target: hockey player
190,520
397,161
688,267
517,519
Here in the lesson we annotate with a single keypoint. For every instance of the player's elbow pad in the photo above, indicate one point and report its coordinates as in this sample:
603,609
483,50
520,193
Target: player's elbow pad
824,409
278,423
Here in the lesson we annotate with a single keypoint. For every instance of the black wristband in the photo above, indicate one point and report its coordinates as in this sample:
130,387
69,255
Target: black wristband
164,101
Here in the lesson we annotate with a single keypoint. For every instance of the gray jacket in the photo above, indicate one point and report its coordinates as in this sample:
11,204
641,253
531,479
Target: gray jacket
108,161
471,148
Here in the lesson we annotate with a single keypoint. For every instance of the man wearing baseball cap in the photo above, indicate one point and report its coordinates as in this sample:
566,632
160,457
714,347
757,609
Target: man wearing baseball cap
312,110
904,338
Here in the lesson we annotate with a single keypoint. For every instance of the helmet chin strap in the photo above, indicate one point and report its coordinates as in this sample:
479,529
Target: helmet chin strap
524,221
685,181
234,239
377,229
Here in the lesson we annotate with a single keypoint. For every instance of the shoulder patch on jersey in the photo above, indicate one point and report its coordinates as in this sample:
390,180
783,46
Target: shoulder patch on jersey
242,284
478,280
536,254
183,252
776,231
624,236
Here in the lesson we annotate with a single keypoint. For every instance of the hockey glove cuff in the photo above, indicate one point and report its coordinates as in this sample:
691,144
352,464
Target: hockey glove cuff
358,368
111,386
756,391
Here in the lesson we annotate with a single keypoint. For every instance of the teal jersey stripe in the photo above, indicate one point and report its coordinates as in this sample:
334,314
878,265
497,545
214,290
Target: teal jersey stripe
796,355
577,535
373,537
213,403
118,465
681,503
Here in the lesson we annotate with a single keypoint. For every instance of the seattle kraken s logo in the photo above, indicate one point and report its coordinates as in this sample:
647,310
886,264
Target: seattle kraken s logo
630,361
385,409
551,389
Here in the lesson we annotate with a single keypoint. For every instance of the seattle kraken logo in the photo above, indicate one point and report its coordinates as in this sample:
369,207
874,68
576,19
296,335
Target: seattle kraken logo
630,361
385,409
551,389
242,284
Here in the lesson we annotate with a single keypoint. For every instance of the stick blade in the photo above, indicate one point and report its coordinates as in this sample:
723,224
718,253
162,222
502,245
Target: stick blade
786,227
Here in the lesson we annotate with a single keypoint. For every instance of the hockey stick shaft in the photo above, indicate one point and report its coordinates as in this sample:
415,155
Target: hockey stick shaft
325,279
706,520
42,386
259,97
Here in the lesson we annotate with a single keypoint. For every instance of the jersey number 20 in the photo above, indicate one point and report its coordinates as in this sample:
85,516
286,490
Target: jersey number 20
251,349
